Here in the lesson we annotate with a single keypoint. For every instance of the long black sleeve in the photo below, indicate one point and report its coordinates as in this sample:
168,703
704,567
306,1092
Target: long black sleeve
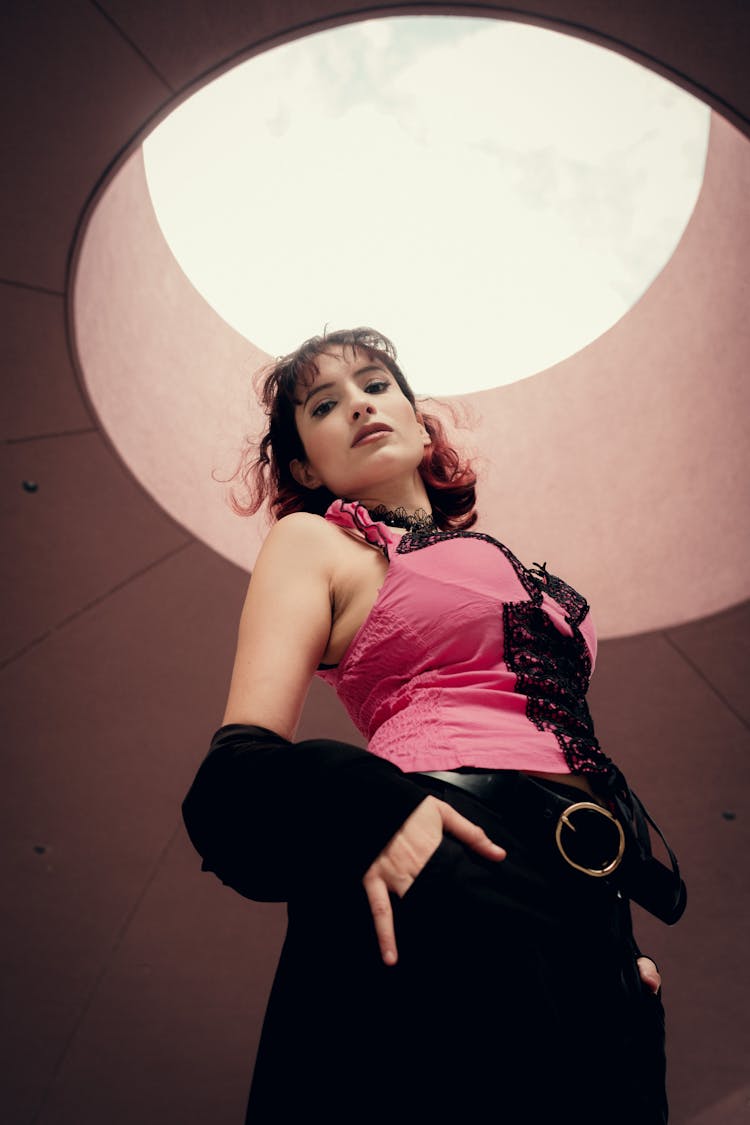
268,815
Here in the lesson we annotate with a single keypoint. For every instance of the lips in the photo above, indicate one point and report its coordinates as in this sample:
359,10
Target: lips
370,428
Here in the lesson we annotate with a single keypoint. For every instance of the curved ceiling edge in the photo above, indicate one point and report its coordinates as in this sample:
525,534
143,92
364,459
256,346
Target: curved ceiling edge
606,506
566,498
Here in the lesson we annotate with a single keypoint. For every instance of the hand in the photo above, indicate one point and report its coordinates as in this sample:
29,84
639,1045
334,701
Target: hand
402,859
649,973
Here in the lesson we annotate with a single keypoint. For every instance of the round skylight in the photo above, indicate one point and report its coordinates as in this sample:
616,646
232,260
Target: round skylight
490,195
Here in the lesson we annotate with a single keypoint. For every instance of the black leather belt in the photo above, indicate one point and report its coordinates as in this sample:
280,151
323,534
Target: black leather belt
586,834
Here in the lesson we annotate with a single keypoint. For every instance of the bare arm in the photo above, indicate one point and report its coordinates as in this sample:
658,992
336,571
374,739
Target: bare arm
270,817
284,628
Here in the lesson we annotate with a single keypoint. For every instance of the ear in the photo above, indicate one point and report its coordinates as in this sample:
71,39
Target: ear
426,439
303,474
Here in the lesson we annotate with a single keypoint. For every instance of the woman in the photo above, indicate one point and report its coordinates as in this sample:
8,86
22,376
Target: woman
455,945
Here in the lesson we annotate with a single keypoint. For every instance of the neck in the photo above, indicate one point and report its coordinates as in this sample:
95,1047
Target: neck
409,497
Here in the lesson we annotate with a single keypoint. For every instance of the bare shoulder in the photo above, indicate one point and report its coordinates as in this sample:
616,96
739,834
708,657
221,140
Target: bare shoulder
301,549
298,528
302,535
284,626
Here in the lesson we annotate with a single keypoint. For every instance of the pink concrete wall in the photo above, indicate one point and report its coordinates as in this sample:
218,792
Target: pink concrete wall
627,465
171,380
623,467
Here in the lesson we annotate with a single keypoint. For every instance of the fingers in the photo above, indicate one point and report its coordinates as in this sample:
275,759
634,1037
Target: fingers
406,854
382,915
396,868
649,974
469,832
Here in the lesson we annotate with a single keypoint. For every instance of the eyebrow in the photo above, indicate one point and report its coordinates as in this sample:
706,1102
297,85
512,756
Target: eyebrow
327,386
314,390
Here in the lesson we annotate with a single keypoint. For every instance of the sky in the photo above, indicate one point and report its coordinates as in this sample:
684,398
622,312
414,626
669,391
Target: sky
492,196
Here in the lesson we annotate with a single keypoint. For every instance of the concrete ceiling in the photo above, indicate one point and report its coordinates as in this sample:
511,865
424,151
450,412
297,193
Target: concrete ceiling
137,986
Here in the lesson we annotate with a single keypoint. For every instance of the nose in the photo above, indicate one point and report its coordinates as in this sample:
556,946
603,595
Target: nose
360,408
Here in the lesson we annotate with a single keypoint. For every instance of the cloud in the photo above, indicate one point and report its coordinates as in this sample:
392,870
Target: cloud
495,179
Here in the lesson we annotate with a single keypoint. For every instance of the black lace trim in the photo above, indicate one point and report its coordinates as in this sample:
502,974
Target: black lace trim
419,521
551,669
575,605
553,672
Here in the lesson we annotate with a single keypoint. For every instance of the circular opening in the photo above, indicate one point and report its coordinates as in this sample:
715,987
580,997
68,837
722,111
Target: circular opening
493,196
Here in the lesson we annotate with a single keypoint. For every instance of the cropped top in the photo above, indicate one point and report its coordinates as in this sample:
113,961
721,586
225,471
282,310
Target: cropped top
468,658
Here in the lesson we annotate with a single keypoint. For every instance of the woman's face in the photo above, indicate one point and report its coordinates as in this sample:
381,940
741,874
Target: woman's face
361,435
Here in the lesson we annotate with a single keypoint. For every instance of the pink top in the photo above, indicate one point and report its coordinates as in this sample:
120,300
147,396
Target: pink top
468,658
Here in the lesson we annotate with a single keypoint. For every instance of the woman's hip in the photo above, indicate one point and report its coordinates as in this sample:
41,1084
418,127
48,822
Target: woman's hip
562,850
513,977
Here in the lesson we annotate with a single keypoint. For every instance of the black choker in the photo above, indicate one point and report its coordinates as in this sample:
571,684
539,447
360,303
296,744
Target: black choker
420,521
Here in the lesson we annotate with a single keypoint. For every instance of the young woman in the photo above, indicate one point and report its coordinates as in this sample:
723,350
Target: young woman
459,940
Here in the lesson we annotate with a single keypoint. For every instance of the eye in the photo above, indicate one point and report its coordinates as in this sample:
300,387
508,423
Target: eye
323,408
377,386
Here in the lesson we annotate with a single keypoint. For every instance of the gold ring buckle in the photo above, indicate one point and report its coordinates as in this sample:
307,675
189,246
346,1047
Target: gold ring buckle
597,872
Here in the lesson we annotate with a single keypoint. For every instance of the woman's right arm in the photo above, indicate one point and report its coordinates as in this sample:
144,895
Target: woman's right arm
285,625
269,816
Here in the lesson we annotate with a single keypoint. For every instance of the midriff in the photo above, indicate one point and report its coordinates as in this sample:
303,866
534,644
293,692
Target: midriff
577,780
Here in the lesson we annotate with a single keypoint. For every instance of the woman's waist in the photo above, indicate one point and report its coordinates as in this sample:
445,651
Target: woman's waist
558,814
576,780
431,740
482,781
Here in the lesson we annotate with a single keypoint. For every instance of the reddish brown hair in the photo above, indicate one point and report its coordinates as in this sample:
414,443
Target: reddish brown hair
264,475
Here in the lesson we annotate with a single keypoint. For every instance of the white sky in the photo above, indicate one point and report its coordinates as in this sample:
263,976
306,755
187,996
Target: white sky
490,195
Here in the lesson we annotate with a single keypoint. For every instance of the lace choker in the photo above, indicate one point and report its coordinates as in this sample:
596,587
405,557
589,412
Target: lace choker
419,521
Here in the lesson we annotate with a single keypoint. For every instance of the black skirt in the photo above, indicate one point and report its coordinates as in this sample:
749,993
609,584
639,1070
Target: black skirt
516,998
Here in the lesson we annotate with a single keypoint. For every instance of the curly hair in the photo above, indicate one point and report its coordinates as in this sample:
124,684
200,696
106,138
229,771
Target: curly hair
263,474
